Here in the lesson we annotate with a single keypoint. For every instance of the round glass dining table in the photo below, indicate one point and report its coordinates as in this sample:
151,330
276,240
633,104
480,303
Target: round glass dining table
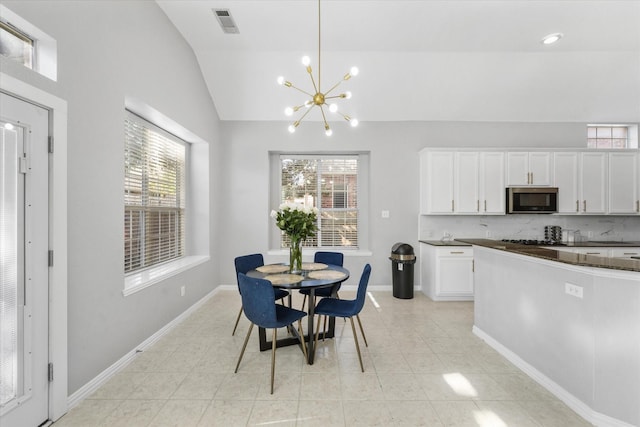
313,276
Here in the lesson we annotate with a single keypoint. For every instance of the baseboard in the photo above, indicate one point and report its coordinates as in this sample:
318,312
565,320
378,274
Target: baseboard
581,408
102,378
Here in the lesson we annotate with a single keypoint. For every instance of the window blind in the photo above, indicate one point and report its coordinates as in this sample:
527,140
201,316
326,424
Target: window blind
154,194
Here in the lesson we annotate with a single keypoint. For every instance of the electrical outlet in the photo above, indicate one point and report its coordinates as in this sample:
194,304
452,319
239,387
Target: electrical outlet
573,290
183,290
487,234
385,214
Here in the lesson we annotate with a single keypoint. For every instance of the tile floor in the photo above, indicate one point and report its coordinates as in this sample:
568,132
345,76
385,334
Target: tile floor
423,367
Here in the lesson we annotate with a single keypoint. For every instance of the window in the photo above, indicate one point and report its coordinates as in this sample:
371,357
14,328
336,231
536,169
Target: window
23,42
154,195
16,45
329,183
611,136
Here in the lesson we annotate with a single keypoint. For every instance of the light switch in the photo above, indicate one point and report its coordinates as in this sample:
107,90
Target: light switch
385,214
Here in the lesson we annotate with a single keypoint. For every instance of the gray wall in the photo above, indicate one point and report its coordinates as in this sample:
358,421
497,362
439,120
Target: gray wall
109,50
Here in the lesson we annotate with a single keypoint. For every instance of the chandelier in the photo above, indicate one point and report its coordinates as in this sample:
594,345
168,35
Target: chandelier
319,98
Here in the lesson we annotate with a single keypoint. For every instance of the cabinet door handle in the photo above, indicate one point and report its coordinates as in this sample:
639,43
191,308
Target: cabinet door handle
577,205
630,253
592,253
452,207
473,265
637,205
584,206
477,205
456,252
485,205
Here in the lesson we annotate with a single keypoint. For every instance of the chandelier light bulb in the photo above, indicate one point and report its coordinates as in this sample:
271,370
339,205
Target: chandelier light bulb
354,71
333,108
306,61
281,80
8,126
347,95
288,111
354,122
291,128
328,132
308,103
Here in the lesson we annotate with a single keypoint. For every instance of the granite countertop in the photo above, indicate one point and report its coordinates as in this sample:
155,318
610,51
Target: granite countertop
444,243
562,256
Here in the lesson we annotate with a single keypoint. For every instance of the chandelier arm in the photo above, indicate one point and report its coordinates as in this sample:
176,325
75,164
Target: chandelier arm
316,88
334,96
305,113
324,117
300,90
333,87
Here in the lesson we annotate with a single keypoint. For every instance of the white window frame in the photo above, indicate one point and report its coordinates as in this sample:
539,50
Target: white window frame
197,203
631,140
275,192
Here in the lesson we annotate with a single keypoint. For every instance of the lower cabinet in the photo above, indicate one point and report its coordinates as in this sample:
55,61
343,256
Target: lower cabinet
446,272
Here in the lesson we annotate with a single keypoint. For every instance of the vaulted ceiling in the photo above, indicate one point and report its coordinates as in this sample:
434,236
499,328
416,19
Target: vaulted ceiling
427,60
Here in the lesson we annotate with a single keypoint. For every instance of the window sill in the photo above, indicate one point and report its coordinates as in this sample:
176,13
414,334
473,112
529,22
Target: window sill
346,252
140,280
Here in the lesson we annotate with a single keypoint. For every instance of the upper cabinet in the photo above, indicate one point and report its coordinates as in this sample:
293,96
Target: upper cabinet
465,182
624,195
528,168
461,182
581,182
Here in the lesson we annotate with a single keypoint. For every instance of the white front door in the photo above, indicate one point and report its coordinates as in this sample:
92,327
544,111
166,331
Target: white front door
24,243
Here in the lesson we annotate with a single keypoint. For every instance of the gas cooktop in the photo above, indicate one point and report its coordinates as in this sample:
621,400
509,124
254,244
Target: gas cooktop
534,242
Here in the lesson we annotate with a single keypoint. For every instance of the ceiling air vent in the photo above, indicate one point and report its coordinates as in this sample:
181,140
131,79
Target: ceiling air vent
226,21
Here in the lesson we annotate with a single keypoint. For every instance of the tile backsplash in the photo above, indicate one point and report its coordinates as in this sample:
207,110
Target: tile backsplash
529,226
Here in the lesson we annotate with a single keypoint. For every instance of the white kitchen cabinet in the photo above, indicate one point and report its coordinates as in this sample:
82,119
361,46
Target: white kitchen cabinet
461,182
528,168
466,193
593,177
566,178
623,183
492,187
624,252
447,272
581,181
436,182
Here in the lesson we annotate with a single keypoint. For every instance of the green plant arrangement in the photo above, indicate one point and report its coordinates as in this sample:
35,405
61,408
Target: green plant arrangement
299,222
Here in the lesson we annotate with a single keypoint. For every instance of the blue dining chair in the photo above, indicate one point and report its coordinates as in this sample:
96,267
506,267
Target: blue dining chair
334,258
345,308
259,303
244,264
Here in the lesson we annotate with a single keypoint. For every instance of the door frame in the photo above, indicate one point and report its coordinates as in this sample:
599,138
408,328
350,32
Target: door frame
58,399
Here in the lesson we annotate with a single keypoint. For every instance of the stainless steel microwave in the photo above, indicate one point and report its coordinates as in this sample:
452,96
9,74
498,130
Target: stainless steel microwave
532,200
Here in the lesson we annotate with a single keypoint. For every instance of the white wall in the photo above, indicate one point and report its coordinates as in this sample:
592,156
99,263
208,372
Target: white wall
109,50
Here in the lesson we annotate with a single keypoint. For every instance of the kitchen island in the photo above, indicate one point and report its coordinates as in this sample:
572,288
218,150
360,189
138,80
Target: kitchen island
570,321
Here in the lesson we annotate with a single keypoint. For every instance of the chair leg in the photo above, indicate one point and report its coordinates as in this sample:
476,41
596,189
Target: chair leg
237,320
362,330
274,338
304,346
315,345
355,338
303,301
244,346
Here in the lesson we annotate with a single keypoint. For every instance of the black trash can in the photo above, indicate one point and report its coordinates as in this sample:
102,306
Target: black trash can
402,259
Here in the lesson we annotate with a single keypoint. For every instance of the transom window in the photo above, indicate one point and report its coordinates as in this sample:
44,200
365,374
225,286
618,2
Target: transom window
608,136
16,45
329,183
154,194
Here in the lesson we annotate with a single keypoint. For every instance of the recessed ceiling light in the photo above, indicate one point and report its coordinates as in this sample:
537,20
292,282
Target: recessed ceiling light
551,38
